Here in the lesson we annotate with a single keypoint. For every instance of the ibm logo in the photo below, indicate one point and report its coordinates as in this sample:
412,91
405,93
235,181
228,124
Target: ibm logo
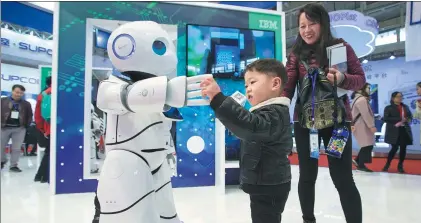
268,24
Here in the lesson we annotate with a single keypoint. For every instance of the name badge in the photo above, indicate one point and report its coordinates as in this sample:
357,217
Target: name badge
314,144
14,115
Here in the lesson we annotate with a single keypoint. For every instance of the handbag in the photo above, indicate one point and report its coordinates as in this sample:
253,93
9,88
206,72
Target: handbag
316,99
340,132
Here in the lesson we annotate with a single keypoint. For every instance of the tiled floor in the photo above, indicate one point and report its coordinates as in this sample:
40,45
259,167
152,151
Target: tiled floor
387,198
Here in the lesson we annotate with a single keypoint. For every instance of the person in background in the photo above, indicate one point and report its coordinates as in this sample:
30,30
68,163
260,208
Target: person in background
16,117
398,132
31,139
363,127
418,103
43,127
313,38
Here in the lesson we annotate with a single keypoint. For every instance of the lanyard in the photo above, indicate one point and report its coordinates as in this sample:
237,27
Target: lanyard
15,104
403,112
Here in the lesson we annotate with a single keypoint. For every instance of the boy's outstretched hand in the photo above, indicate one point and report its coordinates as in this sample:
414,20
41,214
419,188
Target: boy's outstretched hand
209,88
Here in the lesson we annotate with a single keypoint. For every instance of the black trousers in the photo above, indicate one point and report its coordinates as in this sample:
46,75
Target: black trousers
44,168
402,142
97,209
392,153
269,208
364,156
43,172
340,172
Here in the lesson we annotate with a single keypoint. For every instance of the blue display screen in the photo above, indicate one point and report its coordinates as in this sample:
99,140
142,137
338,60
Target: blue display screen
101,38
225,52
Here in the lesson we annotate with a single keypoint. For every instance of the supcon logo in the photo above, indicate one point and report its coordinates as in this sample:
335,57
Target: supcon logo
268,24
25,80
27,46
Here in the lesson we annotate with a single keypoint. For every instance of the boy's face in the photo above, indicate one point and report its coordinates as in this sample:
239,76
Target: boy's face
261,87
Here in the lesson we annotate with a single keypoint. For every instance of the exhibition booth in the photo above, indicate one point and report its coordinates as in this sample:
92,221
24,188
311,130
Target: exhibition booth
210,38
222,40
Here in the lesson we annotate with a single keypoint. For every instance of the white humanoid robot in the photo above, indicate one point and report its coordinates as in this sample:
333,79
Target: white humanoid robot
135,181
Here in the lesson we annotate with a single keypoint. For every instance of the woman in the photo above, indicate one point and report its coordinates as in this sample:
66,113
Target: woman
363,123
418,103
43,137
313,38
398,132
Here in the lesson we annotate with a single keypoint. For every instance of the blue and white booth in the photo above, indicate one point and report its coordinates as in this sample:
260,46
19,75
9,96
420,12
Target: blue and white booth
222,40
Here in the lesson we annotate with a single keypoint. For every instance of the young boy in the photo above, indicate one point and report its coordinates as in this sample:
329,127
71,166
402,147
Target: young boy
266,135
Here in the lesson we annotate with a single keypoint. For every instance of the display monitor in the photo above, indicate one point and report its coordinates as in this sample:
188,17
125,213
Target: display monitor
225,52
374,98
101,38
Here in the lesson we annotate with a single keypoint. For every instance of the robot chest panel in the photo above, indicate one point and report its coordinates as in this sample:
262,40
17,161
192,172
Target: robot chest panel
138,129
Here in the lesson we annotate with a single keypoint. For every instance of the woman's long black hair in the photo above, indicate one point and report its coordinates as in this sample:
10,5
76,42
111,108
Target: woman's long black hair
315,13
394,94
419,84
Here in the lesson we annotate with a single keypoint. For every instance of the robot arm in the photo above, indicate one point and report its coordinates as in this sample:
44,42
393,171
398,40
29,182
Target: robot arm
149,95
120,98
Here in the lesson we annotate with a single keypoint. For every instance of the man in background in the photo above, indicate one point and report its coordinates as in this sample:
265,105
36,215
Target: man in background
43,127
16,117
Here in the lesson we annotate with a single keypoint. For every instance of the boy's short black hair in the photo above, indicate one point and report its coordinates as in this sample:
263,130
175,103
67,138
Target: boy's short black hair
271,67
22,88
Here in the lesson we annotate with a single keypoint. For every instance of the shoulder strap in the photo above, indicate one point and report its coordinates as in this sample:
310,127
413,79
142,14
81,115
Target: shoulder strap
355,101
335,101
359,115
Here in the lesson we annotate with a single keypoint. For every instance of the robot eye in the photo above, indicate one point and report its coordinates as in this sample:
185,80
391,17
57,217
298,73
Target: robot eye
159,47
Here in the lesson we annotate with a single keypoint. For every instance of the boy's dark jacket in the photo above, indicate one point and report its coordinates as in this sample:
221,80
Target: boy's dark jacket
266,139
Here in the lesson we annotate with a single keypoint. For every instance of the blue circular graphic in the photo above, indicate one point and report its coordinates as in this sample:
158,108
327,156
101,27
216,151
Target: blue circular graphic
124,57
159,47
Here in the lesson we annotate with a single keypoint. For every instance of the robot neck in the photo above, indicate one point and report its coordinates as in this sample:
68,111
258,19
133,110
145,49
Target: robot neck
137,75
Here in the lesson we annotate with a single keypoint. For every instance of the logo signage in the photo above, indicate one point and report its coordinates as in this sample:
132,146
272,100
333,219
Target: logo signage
334,17
26,46
25,49
268,24
23,80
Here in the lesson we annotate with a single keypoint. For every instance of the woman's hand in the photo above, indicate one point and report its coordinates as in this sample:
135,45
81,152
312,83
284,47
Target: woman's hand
331,76
373,129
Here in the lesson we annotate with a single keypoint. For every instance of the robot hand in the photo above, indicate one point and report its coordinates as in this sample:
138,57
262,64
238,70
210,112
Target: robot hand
182,90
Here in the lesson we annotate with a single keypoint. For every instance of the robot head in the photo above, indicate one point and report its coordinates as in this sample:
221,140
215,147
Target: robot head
142,46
